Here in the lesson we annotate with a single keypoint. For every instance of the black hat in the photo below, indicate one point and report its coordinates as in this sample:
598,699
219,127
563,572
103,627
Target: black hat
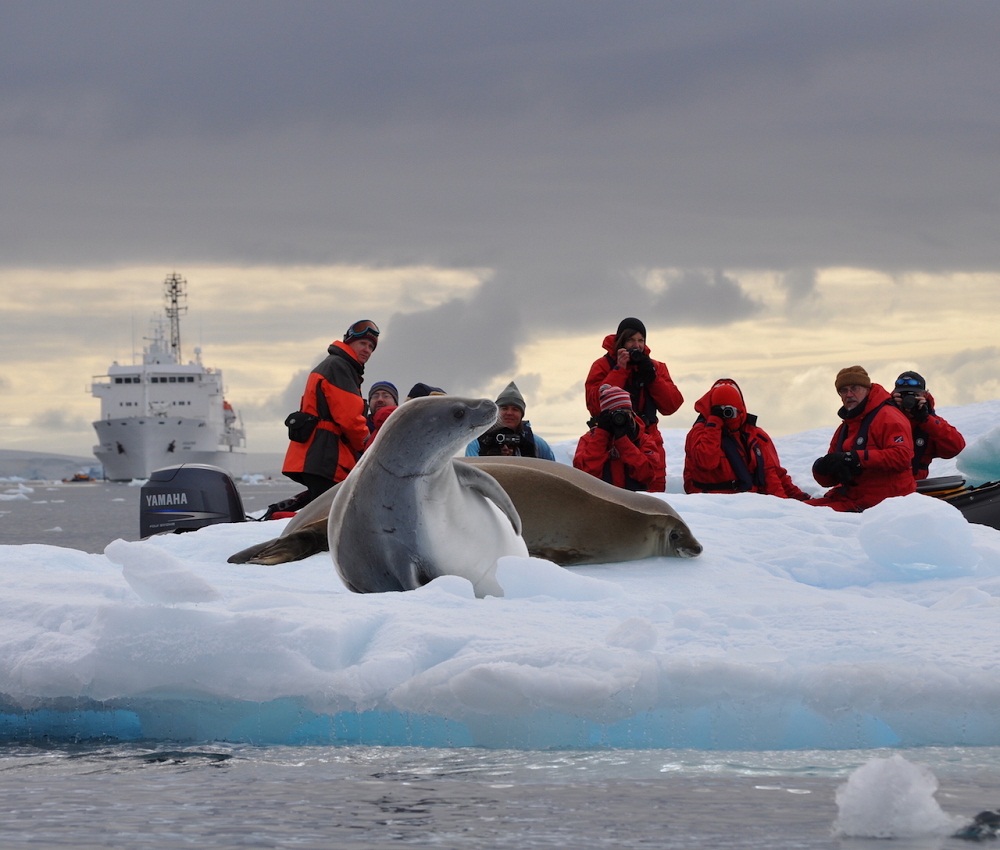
910,382
419,390
631,324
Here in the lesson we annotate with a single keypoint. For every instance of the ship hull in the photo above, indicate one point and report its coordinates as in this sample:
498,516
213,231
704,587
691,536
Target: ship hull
131,448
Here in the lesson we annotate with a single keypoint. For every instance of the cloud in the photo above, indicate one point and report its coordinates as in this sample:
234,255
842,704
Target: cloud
702,298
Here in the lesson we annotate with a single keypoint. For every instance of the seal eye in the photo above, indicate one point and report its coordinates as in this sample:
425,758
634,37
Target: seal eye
458,413
675,535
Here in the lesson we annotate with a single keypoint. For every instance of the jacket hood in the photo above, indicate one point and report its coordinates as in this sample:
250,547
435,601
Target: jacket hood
704,404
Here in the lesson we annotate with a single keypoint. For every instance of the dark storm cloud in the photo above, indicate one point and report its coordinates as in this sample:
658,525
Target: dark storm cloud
559,143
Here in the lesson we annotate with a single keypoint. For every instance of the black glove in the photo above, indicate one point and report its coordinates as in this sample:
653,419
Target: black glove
843,466
645,371
922,412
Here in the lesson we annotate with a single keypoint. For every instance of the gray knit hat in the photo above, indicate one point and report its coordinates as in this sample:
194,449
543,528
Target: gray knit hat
511,395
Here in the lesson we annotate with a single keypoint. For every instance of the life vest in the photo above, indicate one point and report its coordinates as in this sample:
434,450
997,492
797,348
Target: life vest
642,402
861,438
745,479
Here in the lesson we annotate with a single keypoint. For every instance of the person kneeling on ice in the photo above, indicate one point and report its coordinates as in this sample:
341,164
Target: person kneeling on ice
727,452
619,448
512,435
871,453
932,436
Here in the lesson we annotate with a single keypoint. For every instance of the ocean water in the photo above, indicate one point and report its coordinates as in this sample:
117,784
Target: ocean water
281,797
214,795
88,516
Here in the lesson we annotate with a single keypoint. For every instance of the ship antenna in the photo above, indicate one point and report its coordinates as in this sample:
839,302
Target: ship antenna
175,291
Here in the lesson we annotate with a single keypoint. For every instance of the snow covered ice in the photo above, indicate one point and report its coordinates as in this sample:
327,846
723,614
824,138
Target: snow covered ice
797,628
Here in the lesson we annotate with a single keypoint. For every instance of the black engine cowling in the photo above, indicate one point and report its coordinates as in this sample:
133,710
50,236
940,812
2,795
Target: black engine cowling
188,497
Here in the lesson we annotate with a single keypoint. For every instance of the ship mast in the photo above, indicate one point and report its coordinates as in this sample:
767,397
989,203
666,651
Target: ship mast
175,291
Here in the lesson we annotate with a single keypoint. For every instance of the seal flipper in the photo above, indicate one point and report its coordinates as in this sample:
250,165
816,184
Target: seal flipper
486,485
300,544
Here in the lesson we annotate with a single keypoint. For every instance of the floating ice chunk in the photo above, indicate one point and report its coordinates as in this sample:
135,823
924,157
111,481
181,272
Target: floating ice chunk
891,798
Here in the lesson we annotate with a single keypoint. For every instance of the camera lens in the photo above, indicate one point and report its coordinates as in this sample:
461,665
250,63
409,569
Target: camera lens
636,355
619,418
908,401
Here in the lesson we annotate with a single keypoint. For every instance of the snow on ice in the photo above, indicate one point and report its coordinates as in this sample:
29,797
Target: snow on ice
797,628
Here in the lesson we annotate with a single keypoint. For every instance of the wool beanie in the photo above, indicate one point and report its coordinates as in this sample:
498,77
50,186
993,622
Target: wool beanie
905,382
631,325
511,395
419,390
852,376
613,398
389,388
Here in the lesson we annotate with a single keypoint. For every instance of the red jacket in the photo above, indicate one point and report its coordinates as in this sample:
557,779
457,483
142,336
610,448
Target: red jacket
934,437
333,393
885,457
621,461
661,395
717,460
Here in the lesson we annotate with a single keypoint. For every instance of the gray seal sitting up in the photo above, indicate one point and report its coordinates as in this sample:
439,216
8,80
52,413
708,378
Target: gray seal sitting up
407,514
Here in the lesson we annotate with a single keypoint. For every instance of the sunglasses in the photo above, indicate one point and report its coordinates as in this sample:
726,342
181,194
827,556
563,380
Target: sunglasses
366,327
908,382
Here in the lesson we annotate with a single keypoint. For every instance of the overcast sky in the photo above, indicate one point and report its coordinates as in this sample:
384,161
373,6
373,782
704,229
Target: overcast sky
777,189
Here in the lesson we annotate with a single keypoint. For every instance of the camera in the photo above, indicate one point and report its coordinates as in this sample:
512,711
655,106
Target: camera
725,411
620,418
507,438
908,401
637,355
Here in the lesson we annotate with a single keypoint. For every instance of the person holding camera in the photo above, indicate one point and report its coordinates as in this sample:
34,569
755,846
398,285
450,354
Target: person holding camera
871,454
727,452
932,436
619,448
628,366
329,431
512,435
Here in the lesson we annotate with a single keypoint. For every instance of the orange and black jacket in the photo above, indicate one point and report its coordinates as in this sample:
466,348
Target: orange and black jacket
333,393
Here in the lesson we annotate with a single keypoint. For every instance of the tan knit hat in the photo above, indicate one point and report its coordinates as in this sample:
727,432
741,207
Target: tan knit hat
851,376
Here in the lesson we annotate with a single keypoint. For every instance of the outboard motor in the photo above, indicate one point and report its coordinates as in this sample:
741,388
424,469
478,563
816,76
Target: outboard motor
188,497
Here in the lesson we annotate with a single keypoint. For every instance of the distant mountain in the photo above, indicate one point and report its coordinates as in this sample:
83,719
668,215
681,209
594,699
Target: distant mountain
40,466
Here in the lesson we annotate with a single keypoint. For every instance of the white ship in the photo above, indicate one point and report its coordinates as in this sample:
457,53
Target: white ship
163,412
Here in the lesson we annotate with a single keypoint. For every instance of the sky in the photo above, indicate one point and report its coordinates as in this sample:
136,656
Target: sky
797,628
777,189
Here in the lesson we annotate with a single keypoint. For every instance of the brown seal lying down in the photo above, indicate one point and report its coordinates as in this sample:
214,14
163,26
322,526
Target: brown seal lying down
568,517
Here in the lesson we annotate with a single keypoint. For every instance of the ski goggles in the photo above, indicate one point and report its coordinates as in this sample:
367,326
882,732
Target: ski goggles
365,328
909,384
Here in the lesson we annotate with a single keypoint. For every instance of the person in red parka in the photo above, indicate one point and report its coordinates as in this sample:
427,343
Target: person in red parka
619,448
727,452
932,436
321,457
871,453
628,366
